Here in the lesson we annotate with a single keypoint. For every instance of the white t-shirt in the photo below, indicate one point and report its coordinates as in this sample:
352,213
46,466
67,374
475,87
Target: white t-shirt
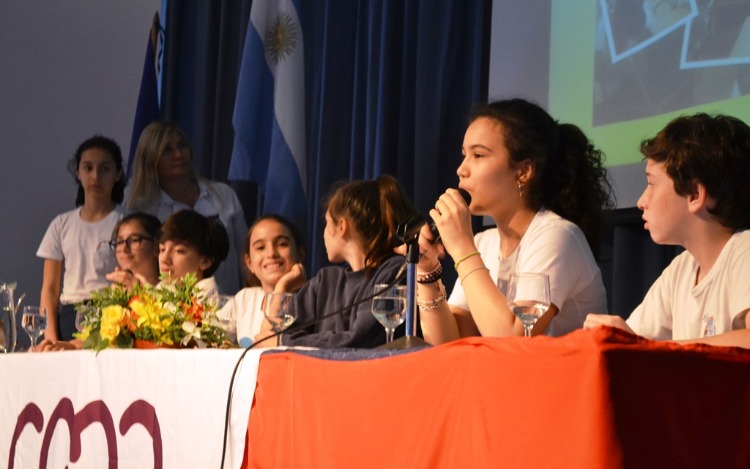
557,247
216,198
676,308
207,289
84,250
247,313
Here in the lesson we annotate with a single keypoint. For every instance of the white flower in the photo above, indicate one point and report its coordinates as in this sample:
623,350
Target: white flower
192,331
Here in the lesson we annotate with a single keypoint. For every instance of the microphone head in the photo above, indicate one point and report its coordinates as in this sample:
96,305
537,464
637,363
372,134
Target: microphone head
408,231
465,195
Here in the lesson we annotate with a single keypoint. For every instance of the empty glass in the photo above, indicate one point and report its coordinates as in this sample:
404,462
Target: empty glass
8,309
226,315
279,309
34,322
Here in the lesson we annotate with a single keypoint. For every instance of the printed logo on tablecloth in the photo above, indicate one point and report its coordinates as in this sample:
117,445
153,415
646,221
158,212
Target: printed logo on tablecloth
139,411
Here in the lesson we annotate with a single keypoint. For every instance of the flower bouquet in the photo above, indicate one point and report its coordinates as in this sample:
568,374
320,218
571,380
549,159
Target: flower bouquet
166,315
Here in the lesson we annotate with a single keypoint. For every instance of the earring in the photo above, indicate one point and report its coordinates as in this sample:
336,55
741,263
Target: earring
520,189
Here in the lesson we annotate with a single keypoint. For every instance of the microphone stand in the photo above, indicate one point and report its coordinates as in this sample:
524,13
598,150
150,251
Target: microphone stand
410,340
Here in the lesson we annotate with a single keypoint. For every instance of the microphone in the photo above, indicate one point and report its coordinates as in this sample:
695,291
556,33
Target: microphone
409,229
433,228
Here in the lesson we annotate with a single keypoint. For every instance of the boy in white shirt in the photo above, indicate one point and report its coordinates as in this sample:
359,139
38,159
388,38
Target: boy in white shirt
192,243
697,197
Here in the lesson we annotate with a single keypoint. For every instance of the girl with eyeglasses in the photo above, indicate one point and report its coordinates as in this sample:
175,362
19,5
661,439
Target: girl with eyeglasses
135,243
75,248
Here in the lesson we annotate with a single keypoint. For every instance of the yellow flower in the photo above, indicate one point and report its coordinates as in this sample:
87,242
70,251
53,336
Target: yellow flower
112,315
166,314
147,310
109,331
84,334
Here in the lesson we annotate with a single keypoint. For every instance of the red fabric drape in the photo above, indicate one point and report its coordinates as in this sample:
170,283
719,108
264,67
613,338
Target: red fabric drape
591,399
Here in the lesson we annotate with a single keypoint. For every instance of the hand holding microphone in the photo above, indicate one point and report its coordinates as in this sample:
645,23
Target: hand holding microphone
452,218
451,201
431,251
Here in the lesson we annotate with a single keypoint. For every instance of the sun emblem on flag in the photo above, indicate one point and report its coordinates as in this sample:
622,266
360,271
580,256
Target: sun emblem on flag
282,37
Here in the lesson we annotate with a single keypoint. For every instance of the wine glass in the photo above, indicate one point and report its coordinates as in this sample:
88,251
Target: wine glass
389,307
225,315
279,309
528,298
80,320
34,322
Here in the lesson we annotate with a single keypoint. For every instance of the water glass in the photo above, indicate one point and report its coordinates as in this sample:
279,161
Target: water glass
528,298
389,307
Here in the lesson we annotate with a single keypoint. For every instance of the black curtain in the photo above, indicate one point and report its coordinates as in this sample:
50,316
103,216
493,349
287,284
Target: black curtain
203,51
388,87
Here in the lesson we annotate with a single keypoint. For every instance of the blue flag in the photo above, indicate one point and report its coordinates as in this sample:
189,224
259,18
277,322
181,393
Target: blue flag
269,109
147,109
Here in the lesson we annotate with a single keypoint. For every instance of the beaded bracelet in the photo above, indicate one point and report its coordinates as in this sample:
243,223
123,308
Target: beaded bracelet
432,276
458,262
435,303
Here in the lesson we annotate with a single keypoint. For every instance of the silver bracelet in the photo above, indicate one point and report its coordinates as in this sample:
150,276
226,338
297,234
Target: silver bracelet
435,303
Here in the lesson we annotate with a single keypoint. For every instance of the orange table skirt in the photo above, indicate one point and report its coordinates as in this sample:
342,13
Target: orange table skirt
591,399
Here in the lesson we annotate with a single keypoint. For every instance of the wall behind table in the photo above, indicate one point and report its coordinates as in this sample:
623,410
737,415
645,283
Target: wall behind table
68,70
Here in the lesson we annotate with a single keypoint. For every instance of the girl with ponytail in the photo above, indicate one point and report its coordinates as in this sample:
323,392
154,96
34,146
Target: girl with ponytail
360,233
544,186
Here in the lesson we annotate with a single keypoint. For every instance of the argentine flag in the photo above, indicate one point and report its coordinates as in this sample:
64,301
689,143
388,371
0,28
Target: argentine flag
269,109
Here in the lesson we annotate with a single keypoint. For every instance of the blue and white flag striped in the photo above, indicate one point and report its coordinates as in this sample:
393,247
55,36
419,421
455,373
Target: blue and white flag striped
269,110
147,108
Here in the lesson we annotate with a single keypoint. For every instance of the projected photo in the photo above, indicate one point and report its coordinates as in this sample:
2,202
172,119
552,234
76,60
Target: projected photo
658,56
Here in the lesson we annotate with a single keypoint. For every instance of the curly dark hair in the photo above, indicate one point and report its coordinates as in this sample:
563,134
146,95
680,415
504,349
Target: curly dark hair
714,151
568,176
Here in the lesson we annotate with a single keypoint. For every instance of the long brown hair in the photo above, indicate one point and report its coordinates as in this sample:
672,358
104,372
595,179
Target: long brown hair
374,208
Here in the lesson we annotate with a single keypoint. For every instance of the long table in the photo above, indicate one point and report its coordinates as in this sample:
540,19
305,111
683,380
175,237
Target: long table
123,408
591,399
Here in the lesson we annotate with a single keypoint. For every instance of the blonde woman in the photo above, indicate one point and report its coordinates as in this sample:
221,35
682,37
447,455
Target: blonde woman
164,182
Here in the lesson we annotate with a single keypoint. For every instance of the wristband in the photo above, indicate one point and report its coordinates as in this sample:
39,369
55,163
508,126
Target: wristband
458,262
432,276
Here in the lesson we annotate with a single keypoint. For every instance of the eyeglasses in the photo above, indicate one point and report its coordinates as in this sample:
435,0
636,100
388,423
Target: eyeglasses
132,241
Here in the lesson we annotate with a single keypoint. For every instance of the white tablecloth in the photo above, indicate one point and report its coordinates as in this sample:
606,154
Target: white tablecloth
128,408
